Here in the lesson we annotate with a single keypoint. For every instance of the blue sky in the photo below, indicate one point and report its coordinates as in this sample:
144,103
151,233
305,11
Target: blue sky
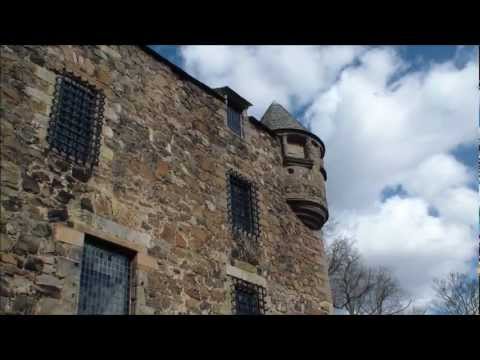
171,52
400,126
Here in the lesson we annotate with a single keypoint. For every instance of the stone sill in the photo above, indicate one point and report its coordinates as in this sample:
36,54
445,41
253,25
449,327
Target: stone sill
292,161
246,275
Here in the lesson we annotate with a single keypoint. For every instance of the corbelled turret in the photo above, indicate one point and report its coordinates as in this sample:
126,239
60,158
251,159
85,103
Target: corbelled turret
305,175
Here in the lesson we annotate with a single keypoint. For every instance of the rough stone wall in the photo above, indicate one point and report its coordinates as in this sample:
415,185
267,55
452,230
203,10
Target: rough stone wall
160,188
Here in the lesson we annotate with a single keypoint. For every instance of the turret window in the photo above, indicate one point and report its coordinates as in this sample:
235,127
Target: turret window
296,147
76,121
296,151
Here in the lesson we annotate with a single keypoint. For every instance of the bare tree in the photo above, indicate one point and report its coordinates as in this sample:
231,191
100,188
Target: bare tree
457,294
386,297
356,287
340,252
350,280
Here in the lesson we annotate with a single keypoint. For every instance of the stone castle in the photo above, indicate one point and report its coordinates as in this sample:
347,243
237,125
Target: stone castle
130,187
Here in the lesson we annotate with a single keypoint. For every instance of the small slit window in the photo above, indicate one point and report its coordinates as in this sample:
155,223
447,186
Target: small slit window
104,280
234,118
247,298
76,121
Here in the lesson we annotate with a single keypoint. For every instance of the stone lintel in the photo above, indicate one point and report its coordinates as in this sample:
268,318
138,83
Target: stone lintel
68,235
246,275
242,265
76,236
110,238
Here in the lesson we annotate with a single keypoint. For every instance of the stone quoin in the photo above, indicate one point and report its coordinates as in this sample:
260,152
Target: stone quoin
130,187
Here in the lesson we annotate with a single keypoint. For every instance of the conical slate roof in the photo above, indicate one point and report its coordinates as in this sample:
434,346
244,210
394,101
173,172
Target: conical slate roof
277,117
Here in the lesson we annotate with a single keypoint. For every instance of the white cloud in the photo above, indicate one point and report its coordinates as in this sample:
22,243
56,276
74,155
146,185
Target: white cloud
434,175
459,205
443,182
383,124
402,234
377,133
291,75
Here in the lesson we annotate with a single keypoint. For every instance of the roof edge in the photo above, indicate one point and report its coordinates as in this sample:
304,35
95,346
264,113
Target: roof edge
177,70
262,126
234,97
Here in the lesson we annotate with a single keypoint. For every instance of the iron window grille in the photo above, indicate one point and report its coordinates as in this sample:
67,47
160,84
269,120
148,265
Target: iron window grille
234,120
105,280
76,121
243,205
247,298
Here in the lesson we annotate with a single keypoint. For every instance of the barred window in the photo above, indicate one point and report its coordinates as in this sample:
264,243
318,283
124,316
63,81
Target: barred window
104,280
234,121
243,205
76,121
247,298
